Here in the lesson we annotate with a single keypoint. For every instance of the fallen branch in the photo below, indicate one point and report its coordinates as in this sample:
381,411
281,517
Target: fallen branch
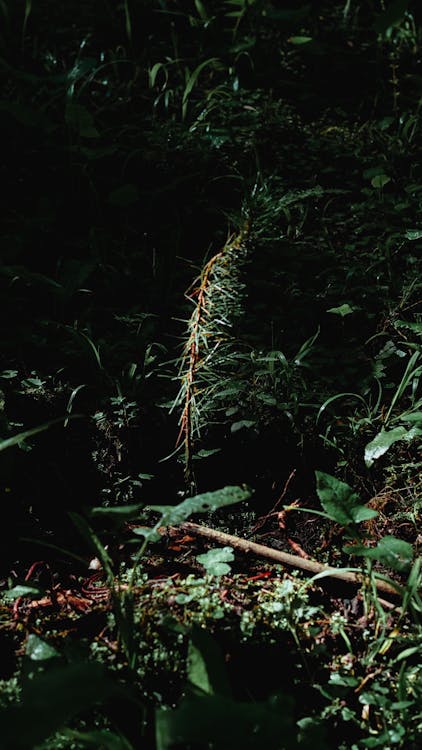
284,558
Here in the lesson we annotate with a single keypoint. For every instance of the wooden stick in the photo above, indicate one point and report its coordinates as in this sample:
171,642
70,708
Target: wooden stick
284,558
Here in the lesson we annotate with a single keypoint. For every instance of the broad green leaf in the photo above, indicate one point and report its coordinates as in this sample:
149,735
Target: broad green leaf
339,501
380,180
414,234
344,680
39,650
205,452
206,670
416,327
204,503
413,433
215,560
267,399
8,374
226,723
150,535
392,552
22,590
241,424
385,123
395,554
385,439
363,513
51,699
234,391
414,416
343,310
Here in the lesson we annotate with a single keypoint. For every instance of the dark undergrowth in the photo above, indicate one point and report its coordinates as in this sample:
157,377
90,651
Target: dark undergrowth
210,287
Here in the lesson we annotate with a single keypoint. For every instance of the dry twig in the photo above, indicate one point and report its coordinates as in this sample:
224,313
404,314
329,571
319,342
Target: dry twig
284,558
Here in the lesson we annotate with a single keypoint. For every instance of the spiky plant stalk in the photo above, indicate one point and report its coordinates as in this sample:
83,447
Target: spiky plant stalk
217,298
214,359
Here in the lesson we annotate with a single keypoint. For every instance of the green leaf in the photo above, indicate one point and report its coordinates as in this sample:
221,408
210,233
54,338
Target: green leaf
385,123
413,234
215,560
362,513
52,698
39,650
153,72
416,327
119,511
300,39
385,439
343,310
204,503
191,80
101,738
90,536
205,452
266,398
305,349
414,416
226,723
236,426
380,180
22,436
410,374
344,680
150,535
8,374
206,670
339,501
193,77
391,16
21,590
200,7
392,552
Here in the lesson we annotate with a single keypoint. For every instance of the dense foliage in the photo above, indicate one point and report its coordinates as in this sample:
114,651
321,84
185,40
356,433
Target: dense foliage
211,298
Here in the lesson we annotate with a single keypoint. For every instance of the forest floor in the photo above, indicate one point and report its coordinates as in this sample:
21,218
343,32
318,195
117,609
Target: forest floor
210,404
